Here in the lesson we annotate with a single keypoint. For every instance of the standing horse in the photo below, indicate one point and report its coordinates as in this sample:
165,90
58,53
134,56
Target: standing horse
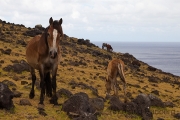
108,47
43,54
115,68
104,45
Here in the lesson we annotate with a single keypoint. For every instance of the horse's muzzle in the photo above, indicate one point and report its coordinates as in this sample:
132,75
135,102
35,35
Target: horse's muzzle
53,54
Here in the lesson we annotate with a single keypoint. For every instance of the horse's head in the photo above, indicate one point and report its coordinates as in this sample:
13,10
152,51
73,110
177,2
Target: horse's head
54,33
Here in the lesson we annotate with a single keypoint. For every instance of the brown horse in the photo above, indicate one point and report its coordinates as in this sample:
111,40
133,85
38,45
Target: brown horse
108,47
115,68
43,54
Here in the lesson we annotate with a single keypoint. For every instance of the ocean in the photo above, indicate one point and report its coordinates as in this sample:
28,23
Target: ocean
161,55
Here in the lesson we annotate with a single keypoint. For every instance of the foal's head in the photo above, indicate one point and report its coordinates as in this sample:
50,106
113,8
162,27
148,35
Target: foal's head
54,32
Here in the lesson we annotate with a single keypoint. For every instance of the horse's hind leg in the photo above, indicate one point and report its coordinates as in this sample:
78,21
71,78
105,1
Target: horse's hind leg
48,85
42,85
31,95
115,87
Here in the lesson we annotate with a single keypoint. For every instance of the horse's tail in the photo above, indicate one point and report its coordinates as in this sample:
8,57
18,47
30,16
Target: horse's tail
121,74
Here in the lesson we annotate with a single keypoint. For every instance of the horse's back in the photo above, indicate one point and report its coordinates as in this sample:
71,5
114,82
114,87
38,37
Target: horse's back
112,68
32,51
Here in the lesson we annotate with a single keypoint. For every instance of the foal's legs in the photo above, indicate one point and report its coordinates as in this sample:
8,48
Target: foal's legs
115,86
108,86
54,85
31,95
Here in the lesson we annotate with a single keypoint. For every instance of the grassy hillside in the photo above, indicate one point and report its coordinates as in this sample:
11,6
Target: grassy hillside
81,62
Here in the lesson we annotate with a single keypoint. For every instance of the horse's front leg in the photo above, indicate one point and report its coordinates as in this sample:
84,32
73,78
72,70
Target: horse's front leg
42,84
32,94
54,85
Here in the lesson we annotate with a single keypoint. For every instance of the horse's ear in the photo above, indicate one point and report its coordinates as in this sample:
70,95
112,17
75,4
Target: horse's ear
51,21
60,21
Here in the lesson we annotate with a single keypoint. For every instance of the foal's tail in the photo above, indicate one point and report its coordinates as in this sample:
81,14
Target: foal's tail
121,74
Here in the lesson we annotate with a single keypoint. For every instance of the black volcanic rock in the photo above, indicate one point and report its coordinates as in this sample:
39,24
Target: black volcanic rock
116,104
6,96
155,101
17,67
78,107
150,68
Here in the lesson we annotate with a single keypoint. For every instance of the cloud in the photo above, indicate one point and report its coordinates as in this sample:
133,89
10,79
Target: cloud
104,17
89,28
75,15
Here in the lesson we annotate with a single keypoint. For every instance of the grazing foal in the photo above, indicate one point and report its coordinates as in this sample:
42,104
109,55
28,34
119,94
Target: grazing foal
43,54
115,68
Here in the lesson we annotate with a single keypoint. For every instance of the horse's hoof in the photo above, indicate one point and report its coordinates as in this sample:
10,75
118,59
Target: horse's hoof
53,100
49,95
31,95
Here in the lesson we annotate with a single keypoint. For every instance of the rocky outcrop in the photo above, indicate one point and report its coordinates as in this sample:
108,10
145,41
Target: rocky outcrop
17,67
140,105
32,32
78,107
6,96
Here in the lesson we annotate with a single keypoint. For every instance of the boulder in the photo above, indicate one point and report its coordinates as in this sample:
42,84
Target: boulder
140,106
153,79
25,102
17,67
116,104
97,103
136,63
78,107
6,96
155,101
143,103
9,83
63,92
7,51
177,115
38,26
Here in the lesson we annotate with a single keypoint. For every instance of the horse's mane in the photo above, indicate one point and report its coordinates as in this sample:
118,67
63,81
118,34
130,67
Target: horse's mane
45,34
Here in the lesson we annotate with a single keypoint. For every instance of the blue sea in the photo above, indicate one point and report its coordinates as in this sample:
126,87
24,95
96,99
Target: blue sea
161,55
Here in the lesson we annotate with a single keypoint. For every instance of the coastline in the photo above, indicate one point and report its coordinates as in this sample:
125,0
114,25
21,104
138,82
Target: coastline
161,55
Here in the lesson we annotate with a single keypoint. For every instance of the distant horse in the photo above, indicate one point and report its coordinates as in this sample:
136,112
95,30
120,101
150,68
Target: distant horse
43,54
104,45
115,68
108,47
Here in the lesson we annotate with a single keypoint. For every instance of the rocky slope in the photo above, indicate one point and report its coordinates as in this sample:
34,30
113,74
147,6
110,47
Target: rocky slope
83,69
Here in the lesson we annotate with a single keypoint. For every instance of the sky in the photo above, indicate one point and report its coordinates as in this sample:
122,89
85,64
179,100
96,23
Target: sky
101,20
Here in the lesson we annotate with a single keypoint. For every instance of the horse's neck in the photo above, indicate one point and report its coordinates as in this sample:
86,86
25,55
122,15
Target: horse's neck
43,47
